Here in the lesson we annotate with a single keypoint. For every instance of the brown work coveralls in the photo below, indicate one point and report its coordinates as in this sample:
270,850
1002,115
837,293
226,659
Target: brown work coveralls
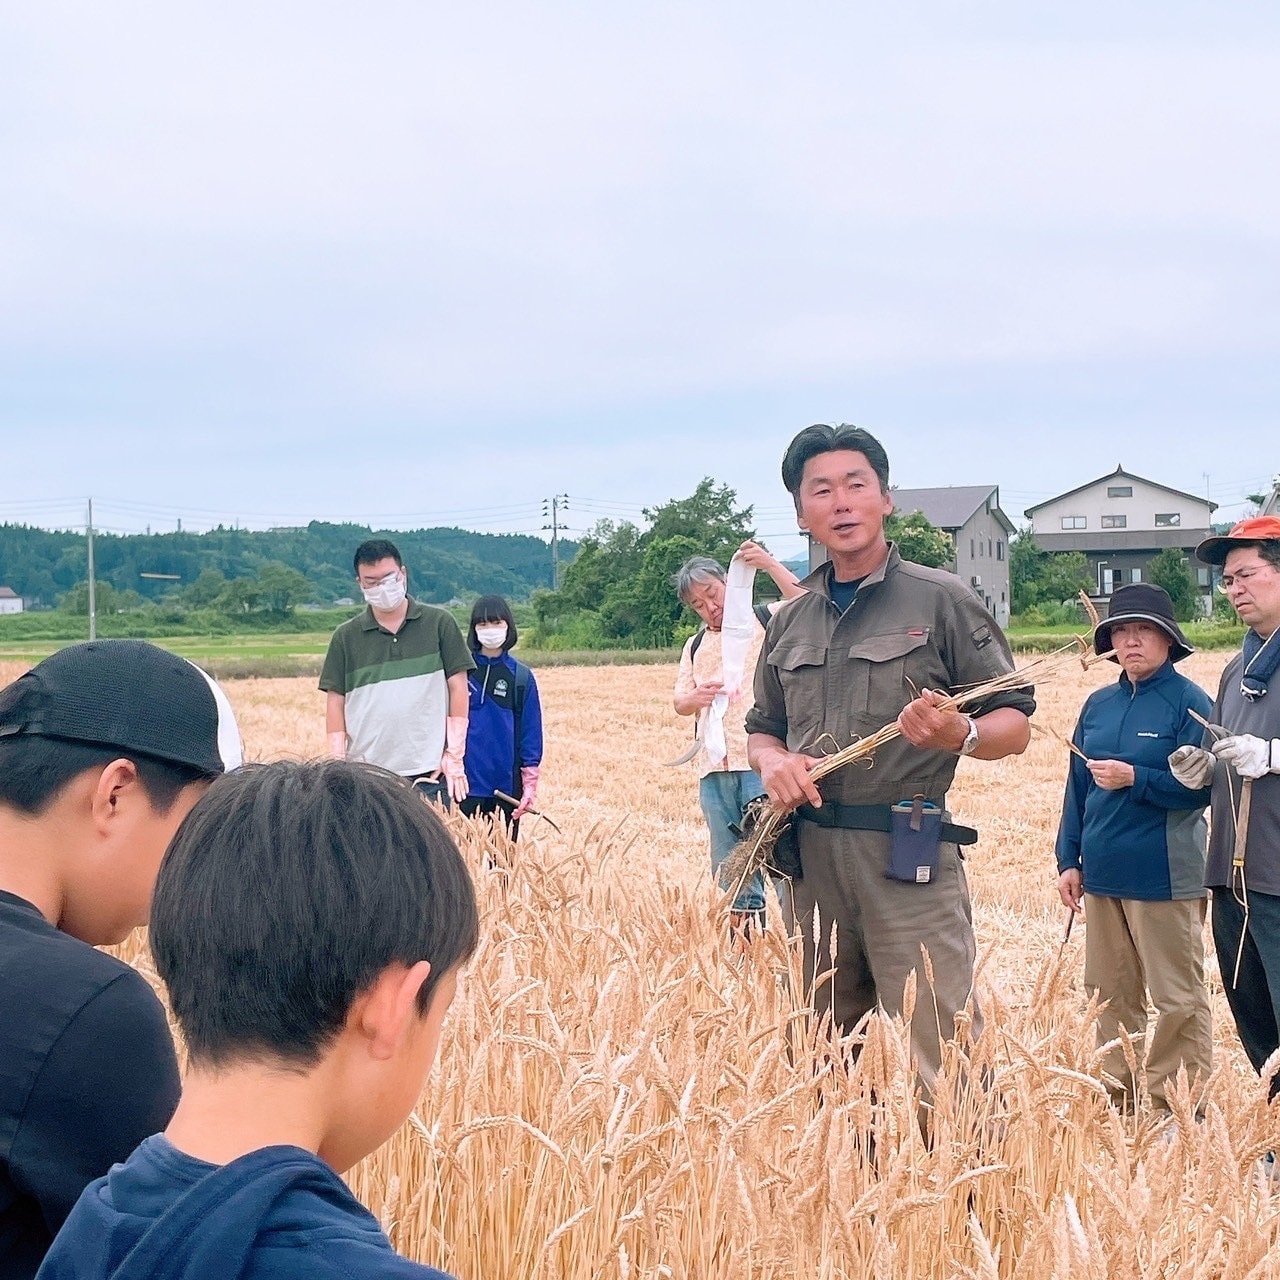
823,680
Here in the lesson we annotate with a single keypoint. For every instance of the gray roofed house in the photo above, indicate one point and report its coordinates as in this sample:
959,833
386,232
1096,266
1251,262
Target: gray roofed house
971,514
1121,522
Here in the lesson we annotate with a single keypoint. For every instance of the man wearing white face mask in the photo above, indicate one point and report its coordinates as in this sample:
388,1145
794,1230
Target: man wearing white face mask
395,678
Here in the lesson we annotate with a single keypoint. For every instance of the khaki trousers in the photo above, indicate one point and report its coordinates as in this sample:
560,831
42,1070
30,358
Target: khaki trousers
880,927
1132,948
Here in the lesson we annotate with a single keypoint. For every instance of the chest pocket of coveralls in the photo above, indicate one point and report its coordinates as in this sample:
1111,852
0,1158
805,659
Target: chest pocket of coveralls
878,669
802,673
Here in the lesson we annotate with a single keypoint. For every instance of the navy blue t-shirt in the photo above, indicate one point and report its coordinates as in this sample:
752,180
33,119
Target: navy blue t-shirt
276,1214
842,593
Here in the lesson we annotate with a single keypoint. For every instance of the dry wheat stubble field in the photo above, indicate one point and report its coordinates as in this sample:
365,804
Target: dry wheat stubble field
622,1094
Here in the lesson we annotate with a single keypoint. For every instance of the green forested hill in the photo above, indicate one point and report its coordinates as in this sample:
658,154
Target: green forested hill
43,564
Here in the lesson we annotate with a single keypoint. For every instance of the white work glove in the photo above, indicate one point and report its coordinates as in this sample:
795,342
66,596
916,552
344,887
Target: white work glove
528,791
1251,757
451,763
1193,767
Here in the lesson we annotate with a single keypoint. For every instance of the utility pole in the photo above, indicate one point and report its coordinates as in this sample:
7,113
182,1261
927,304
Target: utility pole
553,506
93,595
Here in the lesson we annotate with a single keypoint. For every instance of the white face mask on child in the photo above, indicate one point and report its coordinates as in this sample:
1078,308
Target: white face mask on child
491,635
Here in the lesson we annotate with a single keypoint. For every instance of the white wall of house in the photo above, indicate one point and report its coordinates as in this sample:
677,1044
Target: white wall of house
1104,505
10,604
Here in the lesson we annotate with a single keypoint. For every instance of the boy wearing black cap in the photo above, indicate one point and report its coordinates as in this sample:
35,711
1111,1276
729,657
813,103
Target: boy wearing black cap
104,748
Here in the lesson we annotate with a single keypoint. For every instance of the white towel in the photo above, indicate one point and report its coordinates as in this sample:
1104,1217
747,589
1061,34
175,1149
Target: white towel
737,630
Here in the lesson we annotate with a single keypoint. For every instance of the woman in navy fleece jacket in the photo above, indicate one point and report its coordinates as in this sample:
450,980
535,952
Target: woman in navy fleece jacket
1131,842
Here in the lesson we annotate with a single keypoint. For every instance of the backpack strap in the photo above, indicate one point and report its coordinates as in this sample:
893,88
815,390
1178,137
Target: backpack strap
523,677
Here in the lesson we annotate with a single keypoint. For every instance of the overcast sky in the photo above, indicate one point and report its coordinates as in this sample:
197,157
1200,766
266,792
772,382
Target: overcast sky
409,263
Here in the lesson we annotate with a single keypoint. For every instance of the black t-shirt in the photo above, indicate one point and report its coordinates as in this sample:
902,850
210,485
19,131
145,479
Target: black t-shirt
87,1070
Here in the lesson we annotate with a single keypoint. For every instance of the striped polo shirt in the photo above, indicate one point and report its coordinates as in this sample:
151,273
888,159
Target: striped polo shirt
394,686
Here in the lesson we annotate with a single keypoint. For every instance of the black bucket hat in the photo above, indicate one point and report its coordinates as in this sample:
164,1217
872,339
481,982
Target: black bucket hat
1142,602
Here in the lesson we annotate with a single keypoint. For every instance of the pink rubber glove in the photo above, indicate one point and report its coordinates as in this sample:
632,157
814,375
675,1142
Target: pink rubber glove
451,763
528,791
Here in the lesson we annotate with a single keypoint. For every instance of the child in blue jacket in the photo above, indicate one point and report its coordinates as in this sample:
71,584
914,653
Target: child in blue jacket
504,719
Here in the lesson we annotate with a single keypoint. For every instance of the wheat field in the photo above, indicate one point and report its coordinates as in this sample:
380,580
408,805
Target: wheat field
623,1092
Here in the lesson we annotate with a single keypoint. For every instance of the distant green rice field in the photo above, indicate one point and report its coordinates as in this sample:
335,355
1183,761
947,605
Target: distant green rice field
301,653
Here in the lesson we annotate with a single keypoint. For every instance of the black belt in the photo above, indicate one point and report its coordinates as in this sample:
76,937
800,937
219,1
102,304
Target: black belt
873,817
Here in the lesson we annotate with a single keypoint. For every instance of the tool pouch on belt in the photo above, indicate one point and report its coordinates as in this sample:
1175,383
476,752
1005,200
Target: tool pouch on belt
915,833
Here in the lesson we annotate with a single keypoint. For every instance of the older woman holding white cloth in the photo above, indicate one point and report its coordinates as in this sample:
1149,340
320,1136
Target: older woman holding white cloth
714,682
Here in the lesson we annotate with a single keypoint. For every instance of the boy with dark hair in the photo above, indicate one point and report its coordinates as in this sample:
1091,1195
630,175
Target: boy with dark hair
310,921
104,747
395,680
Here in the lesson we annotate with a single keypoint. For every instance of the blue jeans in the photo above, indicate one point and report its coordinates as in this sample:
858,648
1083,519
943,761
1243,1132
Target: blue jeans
1255,996
723,794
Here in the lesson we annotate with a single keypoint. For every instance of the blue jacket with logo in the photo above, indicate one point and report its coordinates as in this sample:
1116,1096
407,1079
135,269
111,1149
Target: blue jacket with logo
1146,841
494,757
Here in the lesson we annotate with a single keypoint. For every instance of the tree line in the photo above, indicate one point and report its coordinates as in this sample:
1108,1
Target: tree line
242,571
615,589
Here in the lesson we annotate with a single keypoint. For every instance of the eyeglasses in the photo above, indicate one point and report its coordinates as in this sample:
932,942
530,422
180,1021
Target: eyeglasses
1229,580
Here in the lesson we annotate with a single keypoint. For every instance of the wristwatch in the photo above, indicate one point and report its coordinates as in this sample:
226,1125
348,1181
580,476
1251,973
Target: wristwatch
970,743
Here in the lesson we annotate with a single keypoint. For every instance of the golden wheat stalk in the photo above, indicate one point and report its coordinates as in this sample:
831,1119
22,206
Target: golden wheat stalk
753,852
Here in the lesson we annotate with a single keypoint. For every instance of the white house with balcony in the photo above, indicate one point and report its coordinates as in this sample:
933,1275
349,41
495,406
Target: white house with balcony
10,601
1121,522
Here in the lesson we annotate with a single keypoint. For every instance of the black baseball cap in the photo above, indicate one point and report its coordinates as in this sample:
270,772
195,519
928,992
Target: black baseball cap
130,696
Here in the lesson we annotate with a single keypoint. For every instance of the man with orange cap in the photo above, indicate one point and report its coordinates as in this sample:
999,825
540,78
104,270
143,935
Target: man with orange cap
1246,889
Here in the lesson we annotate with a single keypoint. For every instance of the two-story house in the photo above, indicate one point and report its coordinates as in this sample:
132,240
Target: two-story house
979,529
1121,522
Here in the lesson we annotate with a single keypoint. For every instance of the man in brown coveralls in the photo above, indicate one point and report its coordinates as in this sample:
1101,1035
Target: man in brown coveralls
838,663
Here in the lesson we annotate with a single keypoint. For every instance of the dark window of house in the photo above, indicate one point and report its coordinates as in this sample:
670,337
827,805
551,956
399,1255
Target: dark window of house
972,552
1119,491
999,550
1114,522
1168,519
1074,522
